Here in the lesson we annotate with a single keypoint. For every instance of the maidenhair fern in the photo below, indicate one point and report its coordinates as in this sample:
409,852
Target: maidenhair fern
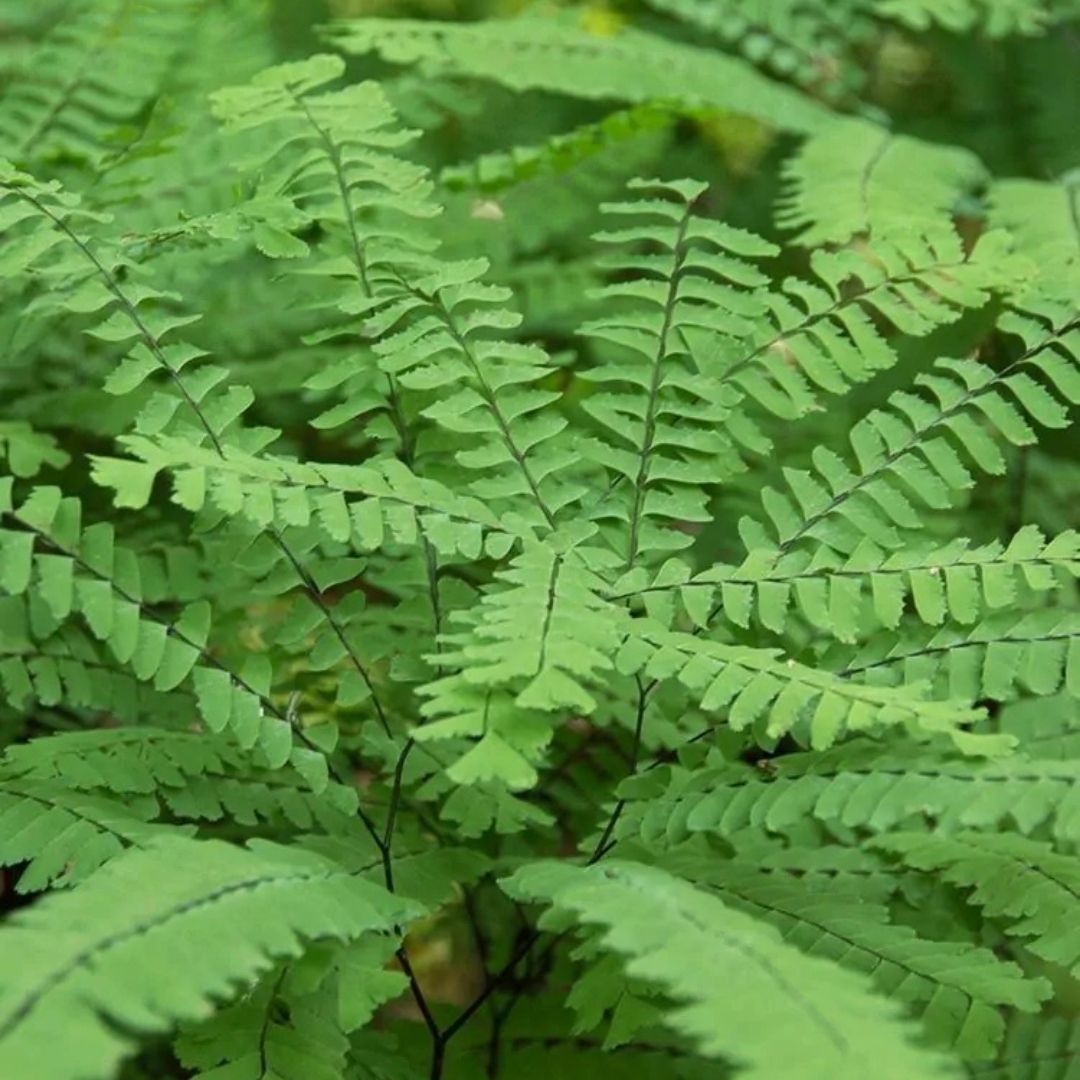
546,542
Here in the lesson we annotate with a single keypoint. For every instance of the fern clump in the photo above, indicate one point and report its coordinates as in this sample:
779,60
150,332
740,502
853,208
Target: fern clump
540,542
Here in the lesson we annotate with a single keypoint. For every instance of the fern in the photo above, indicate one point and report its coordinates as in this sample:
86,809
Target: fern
855,178
1014,877
565,59
469,611
202,889
668,928
78,99
857,785
956,990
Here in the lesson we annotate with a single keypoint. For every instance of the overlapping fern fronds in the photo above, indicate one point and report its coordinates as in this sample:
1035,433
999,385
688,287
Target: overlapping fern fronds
468,612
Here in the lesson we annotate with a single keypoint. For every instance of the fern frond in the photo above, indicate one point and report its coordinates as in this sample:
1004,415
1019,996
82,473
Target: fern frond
538,645
855,178
1025,17
955,990
550,54
194,776
156,909
365,506
758,689
809,42
332,153
859,785
871,587
494,172
824,334
1044,219
64,836
1049,727
903,453
435,333
1038,652
25,451
215,416
1035,1048
95,277
83,570
669,931
1023,881
97,68
271,1033
663,420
